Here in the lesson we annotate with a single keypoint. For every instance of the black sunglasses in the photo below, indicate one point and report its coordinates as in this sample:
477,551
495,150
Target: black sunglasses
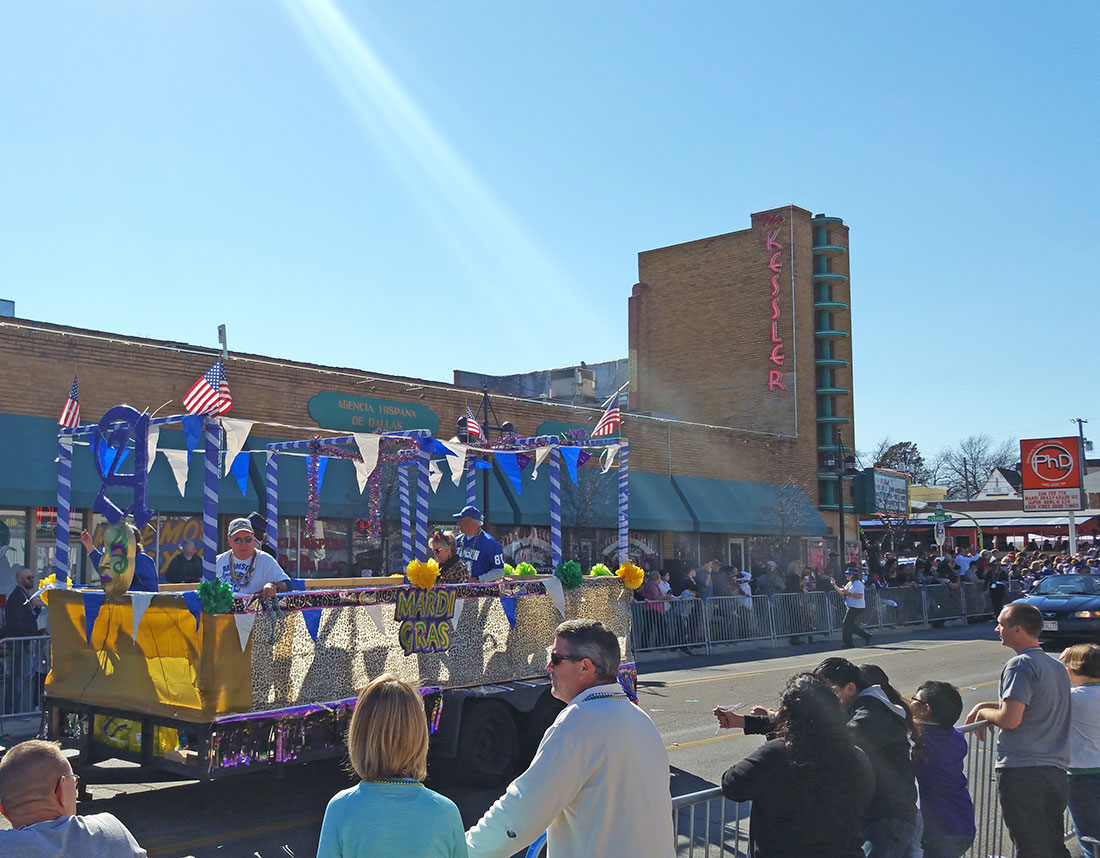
557,658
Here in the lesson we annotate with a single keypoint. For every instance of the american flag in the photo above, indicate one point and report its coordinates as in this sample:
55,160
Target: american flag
609,423
70,414
210,394
473,428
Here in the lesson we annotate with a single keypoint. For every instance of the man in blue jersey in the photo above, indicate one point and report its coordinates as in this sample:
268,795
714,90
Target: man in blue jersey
481,553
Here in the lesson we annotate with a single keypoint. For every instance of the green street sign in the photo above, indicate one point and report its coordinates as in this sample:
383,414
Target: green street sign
940,516
348,413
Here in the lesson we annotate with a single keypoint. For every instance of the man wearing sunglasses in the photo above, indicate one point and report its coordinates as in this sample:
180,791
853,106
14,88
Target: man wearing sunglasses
245,568
599,782
38,796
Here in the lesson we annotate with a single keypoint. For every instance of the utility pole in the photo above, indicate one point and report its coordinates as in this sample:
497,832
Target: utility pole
1081,470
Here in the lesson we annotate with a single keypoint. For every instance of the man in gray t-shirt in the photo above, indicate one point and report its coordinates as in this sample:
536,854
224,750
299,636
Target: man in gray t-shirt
1033,742
38,796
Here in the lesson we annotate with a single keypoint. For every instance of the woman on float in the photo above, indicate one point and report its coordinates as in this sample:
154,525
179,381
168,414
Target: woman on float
452,570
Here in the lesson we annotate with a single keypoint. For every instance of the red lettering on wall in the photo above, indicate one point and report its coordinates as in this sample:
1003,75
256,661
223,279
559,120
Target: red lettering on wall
775,264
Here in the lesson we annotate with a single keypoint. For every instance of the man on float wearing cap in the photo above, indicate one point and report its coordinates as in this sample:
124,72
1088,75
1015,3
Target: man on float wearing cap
245,568
481,553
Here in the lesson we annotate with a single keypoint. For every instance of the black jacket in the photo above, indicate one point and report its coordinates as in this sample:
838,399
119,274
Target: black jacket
880,731
799,812
183,571
20,617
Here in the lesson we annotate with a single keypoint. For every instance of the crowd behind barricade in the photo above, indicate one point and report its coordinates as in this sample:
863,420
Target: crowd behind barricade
716,603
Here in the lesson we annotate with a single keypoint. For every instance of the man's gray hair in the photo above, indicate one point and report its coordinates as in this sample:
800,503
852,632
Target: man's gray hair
593,640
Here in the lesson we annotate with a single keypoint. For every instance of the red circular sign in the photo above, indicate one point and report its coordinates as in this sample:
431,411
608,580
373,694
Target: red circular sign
1051,463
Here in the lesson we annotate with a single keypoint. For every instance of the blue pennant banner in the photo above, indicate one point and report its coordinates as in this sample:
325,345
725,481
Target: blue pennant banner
194,605
435,447
510,465
481,463
509,605
312,618
239,470
93,601
192,431
322,463
569,455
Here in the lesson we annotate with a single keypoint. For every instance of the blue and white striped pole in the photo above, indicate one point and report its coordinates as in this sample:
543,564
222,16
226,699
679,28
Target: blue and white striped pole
471,481
423,494
64,497
210,498
273,499
406,518
624,502
555,508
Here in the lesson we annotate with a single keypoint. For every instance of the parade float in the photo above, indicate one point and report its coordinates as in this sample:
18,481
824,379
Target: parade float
204,683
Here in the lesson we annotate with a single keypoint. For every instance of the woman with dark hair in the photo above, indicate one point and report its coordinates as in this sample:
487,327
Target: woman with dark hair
809,786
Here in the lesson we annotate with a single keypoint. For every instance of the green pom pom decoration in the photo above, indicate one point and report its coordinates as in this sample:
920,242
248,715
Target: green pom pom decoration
216,596
509,569
570,574
526,569
599,569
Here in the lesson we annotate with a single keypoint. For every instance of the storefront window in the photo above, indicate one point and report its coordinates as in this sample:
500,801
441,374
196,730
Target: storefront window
714,546
687,548
45,540
13,547
326,554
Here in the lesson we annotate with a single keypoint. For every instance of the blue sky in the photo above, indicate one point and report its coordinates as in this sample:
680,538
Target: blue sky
414,187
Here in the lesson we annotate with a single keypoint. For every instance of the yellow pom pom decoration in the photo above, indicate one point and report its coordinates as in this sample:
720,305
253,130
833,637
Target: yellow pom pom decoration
51,582
422,574
632,577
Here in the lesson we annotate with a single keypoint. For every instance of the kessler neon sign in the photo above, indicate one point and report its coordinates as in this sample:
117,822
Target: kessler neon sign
775,265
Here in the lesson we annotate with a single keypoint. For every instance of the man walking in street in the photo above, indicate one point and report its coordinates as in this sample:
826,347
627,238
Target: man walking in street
854,604
1033,743
599,782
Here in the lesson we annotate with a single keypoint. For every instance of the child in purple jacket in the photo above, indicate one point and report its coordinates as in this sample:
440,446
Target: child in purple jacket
946,808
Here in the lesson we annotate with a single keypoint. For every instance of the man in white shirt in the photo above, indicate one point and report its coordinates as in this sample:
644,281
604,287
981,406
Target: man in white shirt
245,568
854,603
599,782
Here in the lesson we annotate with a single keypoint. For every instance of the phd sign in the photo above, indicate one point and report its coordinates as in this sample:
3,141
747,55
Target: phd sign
344,412
1051,472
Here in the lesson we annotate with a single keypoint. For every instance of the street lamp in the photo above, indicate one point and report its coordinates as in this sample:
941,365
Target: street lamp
503,428
840,466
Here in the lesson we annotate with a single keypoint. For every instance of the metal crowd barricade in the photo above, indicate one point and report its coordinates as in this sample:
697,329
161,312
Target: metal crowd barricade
668,624
740,618
910,604
24,663
796,615
943,602
976,601
705,823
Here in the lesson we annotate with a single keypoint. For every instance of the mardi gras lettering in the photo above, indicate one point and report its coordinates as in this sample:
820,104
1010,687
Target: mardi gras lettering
425,620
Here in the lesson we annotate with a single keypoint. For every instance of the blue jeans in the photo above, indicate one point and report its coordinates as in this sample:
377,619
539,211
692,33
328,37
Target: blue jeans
888,838
1084,807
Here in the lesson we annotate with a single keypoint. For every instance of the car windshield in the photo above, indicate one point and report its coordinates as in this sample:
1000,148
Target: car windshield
1068,585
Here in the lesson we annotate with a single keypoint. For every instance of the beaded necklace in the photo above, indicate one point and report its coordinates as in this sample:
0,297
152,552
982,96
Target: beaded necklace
241,579
397,781
616,695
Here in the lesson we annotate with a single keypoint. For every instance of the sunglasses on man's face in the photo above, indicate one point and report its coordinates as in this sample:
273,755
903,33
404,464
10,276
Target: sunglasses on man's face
241,540
557,658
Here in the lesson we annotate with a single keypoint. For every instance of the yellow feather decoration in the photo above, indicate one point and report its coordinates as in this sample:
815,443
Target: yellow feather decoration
631,575
422,574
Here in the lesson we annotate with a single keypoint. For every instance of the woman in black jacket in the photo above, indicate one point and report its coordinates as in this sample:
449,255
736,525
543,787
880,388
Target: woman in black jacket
810,785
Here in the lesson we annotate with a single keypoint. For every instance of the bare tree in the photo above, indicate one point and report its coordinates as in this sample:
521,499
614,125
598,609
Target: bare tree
965,468
877,452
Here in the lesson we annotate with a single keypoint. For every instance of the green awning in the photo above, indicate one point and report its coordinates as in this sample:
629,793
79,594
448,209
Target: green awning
750,509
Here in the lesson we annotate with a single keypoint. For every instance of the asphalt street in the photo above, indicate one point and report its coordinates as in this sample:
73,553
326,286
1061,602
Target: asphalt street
263,816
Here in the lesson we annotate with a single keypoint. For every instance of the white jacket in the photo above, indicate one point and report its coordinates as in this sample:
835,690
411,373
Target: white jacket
599,785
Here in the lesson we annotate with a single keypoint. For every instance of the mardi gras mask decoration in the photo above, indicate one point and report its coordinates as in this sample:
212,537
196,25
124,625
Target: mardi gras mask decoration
116,567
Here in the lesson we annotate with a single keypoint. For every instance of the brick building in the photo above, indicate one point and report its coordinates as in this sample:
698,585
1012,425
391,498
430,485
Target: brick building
740,375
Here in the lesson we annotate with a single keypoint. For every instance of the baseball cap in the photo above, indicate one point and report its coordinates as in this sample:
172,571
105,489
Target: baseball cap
469,512
240,524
